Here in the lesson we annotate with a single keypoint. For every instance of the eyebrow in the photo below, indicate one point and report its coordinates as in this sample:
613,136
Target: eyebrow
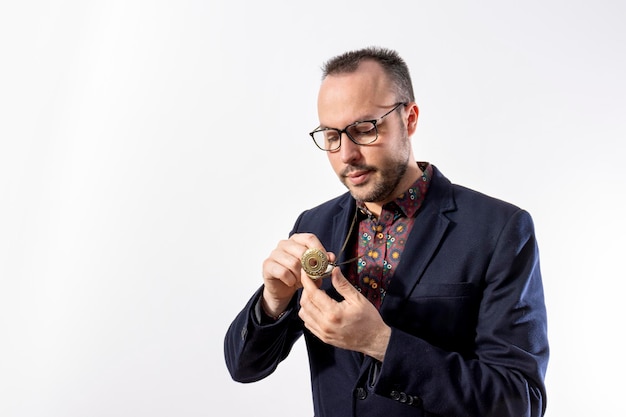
363,119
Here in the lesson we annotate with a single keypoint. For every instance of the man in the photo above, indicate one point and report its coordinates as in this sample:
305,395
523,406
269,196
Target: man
435,306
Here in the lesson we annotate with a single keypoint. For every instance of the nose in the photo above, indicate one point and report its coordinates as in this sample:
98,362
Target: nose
349,152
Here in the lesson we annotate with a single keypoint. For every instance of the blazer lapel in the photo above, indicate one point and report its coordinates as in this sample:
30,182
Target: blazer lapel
342,223
428,231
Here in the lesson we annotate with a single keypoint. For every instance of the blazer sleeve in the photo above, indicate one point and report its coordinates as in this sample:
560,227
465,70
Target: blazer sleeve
253,349
504,376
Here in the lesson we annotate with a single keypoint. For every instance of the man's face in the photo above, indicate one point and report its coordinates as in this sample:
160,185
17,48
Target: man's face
372,173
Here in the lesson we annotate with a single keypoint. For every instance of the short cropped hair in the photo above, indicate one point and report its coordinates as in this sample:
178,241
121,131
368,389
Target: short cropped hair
393,65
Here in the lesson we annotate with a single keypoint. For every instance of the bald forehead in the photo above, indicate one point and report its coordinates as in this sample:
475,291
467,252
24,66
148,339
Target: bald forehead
368,84
368,72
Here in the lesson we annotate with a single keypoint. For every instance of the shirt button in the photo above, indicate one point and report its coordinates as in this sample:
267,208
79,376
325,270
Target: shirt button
380,235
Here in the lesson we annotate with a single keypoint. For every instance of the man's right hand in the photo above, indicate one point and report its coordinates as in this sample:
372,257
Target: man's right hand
281,271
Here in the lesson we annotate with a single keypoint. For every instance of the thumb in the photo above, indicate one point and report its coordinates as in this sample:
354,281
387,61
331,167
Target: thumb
342,285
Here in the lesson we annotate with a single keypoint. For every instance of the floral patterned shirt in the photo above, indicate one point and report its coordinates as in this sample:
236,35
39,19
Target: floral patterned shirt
381,240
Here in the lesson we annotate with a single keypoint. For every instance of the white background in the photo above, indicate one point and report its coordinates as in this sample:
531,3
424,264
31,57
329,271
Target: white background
152,153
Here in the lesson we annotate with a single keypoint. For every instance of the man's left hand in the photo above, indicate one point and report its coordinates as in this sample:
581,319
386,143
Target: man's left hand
353,324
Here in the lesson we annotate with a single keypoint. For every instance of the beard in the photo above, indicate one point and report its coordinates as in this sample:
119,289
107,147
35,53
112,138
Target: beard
384,180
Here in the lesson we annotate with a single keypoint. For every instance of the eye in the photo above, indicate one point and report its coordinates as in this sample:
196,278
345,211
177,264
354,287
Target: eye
331,136
363,128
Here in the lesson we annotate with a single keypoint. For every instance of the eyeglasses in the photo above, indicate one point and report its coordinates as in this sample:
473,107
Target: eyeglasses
362,132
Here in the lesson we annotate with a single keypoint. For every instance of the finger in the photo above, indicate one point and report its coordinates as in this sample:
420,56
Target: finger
314,294
282,264
306,241
309,284
284,261
343,286
309,311
276,269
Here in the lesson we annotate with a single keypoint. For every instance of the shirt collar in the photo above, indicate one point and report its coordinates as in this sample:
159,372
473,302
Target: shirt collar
411,200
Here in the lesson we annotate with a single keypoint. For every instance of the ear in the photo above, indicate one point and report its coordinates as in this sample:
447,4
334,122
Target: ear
412,113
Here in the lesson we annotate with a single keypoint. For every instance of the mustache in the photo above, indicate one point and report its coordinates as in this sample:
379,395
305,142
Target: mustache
356,168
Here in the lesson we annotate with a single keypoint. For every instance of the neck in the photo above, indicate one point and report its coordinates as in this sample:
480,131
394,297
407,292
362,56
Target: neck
412,174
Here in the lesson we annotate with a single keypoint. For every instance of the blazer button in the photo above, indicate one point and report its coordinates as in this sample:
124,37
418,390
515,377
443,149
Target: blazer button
360,393
395,395
415,400
403,397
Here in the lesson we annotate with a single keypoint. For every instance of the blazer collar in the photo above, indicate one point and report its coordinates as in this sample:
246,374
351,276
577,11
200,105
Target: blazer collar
428,231
341,226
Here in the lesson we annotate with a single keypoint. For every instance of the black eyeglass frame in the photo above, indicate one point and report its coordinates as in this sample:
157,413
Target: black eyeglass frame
340,132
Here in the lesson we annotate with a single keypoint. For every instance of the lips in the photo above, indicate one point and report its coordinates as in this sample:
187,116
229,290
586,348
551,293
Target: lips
358,177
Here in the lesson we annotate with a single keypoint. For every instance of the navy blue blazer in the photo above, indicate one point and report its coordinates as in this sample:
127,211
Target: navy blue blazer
466,309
